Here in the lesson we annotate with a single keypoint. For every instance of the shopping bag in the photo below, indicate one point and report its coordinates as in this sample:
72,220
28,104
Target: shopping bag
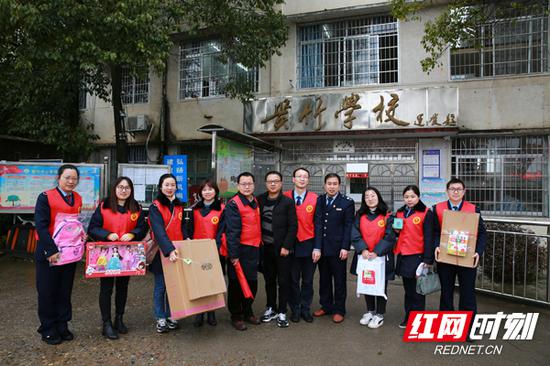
428,283
371,276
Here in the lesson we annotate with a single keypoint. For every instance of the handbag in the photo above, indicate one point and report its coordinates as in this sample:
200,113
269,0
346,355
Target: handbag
428,283
152,247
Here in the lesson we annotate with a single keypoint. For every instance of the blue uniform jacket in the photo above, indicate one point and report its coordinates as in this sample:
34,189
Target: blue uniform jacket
333,224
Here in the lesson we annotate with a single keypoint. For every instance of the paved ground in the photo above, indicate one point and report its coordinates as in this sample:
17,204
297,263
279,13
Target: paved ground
319,343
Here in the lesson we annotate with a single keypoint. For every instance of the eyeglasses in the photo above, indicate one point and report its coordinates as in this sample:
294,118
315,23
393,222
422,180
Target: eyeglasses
123,188
455,190
273,181
246,184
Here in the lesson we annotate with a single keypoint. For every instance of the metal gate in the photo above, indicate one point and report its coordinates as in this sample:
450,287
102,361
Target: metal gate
391,179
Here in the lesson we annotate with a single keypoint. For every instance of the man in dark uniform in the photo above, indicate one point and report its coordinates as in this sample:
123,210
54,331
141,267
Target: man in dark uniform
448,272
244,233
333,222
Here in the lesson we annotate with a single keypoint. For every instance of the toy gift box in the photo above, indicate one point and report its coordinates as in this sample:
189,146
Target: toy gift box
113,259
195,282
458,238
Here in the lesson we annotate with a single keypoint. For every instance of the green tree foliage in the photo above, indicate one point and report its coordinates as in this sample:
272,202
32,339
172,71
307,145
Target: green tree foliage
49,49
459,20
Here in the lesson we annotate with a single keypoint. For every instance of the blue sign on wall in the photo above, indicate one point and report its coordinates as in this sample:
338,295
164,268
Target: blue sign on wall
178,163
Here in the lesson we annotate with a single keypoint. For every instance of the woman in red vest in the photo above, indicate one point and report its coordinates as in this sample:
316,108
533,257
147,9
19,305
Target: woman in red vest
372,236
118,218
205,221
54,284
167,224
414,246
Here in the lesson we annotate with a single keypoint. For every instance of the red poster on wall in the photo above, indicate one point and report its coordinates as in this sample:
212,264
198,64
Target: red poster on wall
113,259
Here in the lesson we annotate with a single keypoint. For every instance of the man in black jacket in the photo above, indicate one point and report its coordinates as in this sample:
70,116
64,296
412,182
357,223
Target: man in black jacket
279,227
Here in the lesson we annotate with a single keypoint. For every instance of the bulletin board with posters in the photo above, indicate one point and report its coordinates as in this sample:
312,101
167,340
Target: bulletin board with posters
145,179
22,182
232,158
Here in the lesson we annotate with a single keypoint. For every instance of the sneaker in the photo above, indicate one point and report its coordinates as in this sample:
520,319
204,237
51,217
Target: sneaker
376,322
365,320
172,324
281,321
403,324
268,316
162,326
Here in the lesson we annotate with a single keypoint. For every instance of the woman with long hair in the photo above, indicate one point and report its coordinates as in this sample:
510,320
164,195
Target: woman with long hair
167,224
118,218
372,237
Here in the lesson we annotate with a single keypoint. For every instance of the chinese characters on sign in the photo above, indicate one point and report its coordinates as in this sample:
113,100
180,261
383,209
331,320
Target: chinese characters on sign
408,108
178,163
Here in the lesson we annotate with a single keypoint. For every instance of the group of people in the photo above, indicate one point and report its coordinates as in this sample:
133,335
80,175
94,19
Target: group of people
283,235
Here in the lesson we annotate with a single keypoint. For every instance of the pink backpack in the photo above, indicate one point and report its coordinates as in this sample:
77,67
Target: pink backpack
69,236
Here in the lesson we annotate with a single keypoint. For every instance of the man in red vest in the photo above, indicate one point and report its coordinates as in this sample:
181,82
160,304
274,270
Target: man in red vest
448,272
244,235
303,265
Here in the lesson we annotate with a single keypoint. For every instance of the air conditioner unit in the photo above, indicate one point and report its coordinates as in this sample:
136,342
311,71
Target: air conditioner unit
139,123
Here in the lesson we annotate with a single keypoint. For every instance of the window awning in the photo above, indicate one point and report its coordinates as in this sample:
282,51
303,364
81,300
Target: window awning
243,138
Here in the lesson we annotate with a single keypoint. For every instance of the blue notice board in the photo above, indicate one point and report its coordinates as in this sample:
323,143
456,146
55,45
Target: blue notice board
178,163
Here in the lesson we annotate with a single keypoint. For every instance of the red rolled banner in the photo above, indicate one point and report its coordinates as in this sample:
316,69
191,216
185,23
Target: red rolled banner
242,281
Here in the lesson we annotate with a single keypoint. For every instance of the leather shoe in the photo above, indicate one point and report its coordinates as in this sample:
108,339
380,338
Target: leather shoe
252,320
307,317
211,318
52,339
238,324
119,325
66,335
319,313
337,318
295,318
108,331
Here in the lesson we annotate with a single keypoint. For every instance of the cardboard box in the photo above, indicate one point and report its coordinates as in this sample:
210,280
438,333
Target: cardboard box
195,282
458,238
113,259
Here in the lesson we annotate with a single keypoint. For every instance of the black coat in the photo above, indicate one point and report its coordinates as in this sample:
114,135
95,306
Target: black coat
333,225
285,221
383,248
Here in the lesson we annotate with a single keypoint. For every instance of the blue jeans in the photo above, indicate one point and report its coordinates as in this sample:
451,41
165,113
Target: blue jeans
160,300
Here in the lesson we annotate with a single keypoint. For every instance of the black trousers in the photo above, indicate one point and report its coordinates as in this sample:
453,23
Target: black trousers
377,304
240,307
301,294
106,290
466,281
332,270
277,278
54,285
413,300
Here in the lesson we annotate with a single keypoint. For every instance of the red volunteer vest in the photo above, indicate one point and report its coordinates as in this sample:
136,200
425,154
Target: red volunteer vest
411,238
174,228
372,231
251,231
58,205
306,215
442,206
206,227
119,223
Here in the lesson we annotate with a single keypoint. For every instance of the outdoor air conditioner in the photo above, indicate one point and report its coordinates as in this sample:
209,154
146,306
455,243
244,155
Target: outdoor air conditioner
139,123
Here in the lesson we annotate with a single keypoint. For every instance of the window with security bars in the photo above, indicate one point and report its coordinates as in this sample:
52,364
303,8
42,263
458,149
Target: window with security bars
348,52
135,85
203,73
511,46
504,175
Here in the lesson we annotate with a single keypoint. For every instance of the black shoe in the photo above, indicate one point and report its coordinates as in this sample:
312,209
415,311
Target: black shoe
294,317
119,325
307,317
211,318
108,331
52,339
66,335
199,320
403,324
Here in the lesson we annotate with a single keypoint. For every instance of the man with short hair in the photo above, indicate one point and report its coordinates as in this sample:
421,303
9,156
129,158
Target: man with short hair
279,226
333,222
303,265
243,232
456,190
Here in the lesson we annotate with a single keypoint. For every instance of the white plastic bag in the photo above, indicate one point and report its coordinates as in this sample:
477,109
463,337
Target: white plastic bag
371,276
